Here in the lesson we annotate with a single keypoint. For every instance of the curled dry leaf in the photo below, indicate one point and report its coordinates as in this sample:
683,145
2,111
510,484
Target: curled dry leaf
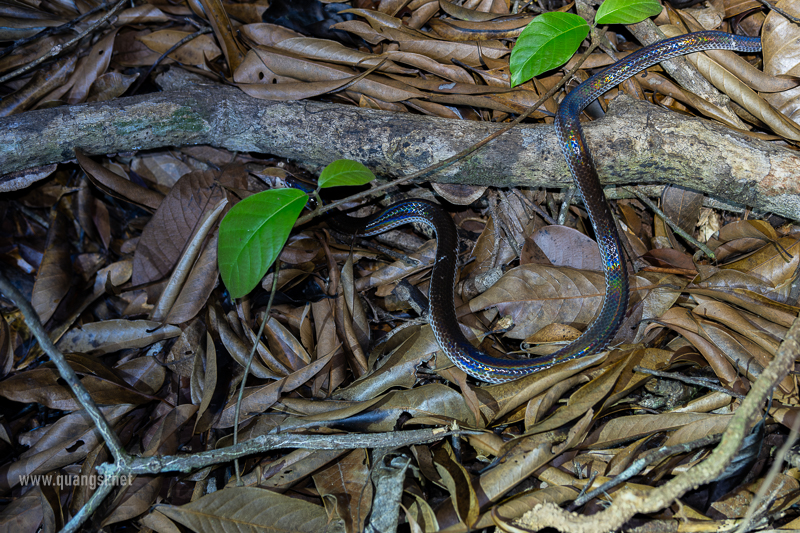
406,352
55,272
479,31
239,350
754,78
100,338
258,399
201,281
776,263
782,56
347,482
93,67
741,93
267,34
195,52
284,64
41,83
224,31
116,185
464,13
327,50
382,413
582,400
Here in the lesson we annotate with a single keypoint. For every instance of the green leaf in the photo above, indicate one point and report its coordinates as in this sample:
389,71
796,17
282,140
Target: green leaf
626,11
546,43
252,234
345,172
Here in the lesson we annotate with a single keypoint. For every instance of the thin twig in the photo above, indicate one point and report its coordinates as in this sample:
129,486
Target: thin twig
52,31
247,368
66,371
677,229
686,379
57,49
264,443
86,511
780,11
565,201
639,464
172,48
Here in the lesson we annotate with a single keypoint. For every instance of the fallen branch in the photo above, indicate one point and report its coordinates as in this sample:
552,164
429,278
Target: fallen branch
635,143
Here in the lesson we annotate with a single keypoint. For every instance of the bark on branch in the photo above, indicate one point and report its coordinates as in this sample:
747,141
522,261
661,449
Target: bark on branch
635,143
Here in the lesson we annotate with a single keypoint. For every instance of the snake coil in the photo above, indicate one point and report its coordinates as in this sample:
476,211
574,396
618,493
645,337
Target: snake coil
579,160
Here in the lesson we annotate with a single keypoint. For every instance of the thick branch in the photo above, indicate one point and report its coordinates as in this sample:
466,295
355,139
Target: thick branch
635,143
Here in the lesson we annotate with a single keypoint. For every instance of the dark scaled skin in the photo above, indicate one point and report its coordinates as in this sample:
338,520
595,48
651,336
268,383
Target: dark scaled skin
579,160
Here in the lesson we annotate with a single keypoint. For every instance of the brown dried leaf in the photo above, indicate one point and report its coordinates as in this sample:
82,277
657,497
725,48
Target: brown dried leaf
334,52
143,14
471,53
198,287
464,13
159,523
281,341
173,224
583,399
625,428
429,402
196,52
406,351
55,273
739,67
458,483
267,34
346,483
43,385
62,443
116,185
568,247
98,338
240,350
415,262
284,64
682,206
236,508
145,374
109,86
288,92
89,70
775,263
224,31
258,399
680,321
454,30
742,94
206,372
41,83
144,490
537,295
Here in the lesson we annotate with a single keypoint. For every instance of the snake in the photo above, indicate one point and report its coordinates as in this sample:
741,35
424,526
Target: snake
600,332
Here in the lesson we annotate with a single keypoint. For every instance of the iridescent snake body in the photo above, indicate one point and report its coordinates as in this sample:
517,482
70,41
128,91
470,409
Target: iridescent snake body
598,335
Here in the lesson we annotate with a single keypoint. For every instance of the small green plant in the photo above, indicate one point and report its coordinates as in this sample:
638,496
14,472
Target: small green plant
552,38
254,231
